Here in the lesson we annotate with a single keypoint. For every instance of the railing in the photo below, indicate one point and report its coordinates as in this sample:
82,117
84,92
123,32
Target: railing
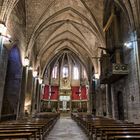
114,72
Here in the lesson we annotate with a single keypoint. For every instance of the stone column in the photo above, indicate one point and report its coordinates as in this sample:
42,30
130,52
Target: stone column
90,97
33,103
3,69
108,100
117,44
70,103
23,92
38,97
27,82
88,106
136,45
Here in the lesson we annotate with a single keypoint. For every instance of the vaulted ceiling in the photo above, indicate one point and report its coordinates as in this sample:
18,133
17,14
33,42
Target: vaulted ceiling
59,24
54,25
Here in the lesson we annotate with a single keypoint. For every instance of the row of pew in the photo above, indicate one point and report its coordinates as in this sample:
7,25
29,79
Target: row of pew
29,128
102,128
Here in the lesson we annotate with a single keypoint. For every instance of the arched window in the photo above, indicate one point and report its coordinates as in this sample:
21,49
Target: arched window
75,73
84,74
65,72
54,72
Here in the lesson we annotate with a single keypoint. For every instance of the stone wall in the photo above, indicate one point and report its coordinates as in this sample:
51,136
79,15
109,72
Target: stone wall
129,85
16,28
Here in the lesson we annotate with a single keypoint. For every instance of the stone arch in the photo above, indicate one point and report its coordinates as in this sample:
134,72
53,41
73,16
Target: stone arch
57,56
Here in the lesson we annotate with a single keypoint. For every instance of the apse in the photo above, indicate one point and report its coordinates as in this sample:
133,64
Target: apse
66,85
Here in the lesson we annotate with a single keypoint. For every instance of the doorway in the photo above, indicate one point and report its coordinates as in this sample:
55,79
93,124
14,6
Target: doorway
120,105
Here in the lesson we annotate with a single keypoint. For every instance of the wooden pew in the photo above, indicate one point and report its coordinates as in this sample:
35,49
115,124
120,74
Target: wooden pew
15,136
100,130
98,125
16,131
132,137
112,134
34,130
34,126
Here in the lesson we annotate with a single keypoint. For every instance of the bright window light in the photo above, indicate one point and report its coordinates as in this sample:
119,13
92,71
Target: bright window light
75,73
54,72
84,74
65,72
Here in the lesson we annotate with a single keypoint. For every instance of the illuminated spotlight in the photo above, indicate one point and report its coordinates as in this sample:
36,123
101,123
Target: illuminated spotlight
35,73
96,76
128,136
3,29
30,68
128,44
40,80
26,61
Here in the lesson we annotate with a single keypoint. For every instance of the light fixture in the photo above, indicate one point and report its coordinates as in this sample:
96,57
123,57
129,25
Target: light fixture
30,68
40,80
26,61
3,29
3,33
96,76
128,44
35,73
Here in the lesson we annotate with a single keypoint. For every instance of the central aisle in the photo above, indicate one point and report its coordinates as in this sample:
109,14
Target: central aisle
66,129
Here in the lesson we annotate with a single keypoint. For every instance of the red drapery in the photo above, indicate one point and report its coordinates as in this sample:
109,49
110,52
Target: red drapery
75,93
83,93
54,92
46,92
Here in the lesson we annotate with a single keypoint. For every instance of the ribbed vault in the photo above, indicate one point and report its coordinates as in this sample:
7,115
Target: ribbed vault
65,24
52,25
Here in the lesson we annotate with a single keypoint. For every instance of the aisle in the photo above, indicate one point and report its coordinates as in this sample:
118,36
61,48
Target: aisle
66,129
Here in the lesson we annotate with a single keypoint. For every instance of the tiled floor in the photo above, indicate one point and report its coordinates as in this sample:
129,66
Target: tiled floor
66,129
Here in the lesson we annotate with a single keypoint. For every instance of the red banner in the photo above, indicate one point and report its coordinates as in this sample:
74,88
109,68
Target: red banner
54,92
75,93
46,92
83,93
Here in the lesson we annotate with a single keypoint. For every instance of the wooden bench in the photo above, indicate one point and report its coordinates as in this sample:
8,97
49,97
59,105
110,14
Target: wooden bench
33,131
101,127
133,137
15,136
112,134
35,126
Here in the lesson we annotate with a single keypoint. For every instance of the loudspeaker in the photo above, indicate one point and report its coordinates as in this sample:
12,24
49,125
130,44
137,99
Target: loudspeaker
119,68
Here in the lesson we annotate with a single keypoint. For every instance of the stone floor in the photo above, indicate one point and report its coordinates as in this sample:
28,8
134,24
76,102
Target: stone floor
66,129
